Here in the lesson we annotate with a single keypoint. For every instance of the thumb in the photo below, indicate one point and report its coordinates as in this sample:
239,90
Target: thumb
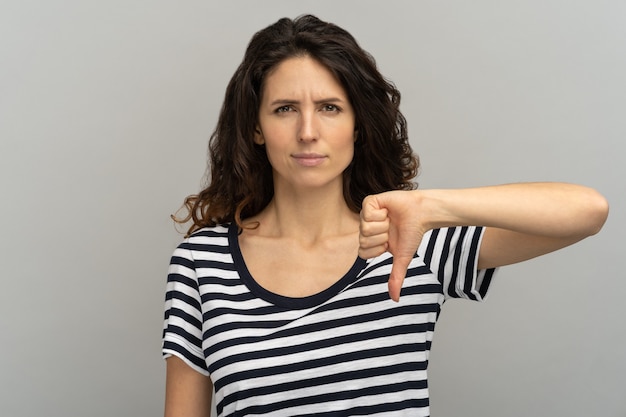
396,278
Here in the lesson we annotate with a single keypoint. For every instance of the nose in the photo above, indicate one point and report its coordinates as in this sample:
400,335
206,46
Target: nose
308,131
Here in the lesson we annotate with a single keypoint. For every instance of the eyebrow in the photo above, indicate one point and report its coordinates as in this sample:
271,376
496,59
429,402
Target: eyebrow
284,101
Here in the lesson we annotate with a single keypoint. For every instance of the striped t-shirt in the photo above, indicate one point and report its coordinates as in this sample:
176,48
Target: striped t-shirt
348,350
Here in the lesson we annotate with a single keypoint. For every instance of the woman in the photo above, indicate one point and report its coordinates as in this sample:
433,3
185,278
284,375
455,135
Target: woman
314,271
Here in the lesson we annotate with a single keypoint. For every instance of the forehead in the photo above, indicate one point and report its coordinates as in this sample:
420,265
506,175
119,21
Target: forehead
302,75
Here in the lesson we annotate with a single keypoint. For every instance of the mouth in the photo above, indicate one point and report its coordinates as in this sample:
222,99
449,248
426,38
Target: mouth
308,159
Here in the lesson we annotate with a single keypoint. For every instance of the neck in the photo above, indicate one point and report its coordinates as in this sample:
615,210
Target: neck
307,215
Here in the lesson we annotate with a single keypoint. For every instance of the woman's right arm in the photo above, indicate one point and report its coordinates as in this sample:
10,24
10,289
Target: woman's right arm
187,392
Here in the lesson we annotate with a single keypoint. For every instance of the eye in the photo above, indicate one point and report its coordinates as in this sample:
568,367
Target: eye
283,109
331,108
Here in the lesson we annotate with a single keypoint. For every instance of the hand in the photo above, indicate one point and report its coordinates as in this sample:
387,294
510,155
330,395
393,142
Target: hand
390,222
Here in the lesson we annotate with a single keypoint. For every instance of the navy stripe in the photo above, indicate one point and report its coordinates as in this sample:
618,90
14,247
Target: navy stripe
259,312
205,247
382,279
422,289
183,315
373,266
245,324
205,263
333,396
171,346
430,248
187,263
484,286
416,403
371,280
470,272
206,232
467,279
181,296
222,296
219,281
183,279
167,345
184,334
356,301
444,259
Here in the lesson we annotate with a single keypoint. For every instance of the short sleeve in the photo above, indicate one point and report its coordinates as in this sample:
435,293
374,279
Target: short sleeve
452,254
182,328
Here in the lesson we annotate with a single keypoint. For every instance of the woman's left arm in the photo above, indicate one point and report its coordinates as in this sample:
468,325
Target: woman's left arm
522,221
544,217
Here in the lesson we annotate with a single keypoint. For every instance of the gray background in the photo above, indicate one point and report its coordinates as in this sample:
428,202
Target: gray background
105,111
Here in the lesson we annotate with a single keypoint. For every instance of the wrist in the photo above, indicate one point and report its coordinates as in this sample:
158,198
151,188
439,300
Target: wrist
435,209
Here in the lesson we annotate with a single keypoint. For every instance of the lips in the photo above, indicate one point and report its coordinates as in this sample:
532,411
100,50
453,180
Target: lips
309,159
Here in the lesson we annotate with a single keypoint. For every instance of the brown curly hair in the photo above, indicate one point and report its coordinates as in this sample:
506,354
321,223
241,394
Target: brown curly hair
240,182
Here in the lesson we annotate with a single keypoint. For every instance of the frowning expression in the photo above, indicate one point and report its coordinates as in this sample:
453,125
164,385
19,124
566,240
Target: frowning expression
306,123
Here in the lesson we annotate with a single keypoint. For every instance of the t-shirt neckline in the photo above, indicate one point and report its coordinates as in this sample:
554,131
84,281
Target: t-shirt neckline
292,303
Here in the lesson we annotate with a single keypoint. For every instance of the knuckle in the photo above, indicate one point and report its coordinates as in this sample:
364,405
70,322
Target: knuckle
366,228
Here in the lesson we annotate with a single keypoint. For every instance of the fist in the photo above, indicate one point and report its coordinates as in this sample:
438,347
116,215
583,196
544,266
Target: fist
390,223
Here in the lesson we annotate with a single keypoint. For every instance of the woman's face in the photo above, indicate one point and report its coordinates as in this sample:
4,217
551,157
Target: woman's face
306,123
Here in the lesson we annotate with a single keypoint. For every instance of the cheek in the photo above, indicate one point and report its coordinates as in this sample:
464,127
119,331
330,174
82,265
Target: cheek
349,141
347,152
276,154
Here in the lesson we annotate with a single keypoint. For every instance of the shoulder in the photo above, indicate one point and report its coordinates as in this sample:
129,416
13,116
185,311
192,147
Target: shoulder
208,247
219,230
208,235
214,239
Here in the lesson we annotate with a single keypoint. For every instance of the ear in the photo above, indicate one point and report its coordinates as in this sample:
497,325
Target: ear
258,136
